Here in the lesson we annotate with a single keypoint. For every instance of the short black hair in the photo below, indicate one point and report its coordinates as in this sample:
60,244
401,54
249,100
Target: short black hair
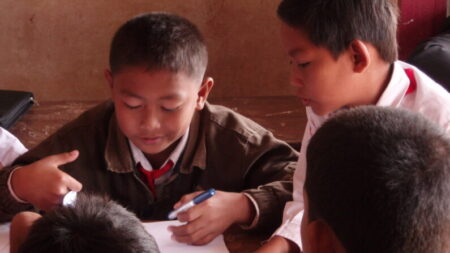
380,177
159,41
334,24
93,224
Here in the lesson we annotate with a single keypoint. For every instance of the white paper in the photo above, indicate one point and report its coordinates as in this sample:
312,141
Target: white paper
167,245
158,230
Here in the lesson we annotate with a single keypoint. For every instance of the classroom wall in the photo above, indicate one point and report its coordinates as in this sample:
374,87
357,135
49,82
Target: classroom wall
58,49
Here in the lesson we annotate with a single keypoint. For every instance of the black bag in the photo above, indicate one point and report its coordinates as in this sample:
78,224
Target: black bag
13,104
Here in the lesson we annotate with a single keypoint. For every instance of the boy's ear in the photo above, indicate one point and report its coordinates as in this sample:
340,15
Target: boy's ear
203,92
360,55
322,238
108,76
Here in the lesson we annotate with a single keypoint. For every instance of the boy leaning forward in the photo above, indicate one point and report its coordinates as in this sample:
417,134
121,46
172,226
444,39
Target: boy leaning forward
158,142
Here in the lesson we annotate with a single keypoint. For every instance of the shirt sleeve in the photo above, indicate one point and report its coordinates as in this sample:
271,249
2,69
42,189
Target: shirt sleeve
10,147
293,211
269,181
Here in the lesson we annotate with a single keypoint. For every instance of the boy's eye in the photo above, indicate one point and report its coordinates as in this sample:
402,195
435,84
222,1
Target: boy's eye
168,109
299,65
303,65
132,106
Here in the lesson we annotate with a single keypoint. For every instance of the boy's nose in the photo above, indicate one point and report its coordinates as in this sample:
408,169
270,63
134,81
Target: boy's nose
296,81
150,121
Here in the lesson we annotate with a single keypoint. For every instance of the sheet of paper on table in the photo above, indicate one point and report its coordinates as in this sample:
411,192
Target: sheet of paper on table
167,245
158,230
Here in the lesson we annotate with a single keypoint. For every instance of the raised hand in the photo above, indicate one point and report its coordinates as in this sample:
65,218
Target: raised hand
42,183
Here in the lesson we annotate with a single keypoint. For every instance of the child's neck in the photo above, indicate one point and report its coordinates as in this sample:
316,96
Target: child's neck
378,78
158,160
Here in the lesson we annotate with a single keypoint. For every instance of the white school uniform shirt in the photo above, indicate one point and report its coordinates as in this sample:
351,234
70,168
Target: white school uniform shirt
429,98
10,147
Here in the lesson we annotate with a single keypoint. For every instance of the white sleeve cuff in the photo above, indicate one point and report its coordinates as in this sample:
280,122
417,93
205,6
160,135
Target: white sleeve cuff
290,229
255,220
11,189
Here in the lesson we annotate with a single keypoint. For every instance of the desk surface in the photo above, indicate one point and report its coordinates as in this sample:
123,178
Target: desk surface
284,116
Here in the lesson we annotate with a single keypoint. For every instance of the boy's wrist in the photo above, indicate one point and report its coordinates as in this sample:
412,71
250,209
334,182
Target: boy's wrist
248,210
11,183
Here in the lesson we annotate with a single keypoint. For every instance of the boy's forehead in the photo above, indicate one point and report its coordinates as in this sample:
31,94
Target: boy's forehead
295,40
139,82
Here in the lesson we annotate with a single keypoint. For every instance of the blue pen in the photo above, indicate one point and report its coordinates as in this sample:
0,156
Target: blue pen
197,200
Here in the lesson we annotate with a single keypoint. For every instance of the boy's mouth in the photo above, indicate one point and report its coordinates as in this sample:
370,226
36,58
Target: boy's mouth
151,140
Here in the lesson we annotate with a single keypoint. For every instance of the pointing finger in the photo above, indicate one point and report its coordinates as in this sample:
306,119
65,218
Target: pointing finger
62,158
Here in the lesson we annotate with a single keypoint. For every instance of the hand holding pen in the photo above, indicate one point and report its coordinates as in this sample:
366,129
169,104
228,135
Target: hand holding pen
197,200
212,217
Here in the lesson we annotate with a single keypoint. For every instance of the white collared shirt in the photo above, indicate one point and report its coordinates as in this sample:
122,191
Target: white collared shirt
429,98
10,147
139,157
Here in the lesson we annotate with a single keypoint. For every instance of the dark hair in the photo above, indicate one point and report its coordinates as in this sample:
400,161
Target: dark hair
334,24
380,178
93,224
159,41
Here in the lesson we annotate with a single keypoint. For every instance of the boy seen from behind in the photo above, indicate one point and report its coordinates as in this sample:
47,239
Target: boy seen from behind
343,53
91,224
157,143
386,190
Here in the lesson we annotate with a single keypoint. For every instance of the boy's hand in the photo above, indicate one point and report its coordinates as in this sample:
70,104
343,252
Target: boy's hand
278,244
42,183
211,217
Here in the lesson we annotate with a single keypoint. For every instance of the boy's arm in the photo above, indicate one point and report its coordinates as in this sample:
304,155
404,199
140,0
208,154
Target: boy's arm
20,226
8,205
270,180
41,184
267,168
287,237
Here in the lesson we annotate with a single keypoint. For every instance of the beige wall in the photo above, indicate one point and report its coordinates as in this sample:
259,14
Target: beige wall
58,48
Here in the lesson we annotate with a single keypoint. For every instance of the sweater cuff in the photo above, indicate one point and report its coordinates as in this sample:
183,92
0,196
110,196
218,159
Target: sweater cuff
256,218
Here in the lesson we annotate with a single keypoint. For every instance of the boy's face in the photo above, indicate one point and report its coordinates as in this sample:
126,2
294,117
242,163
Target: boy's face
154,108
321,81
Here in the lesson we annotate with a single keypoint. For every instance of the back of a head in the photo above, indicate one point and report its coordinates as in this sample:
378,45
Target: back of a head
159,41
380,178
93,224
334,24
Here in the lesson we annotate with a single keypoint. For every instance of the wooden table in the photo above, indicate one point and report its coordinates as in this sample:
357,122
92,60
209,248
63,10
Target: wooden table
284,116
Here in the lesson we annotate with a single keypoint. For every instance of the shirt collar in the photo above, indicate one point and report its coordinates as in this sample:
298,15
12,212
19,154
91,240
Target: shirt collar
395,90
195,153
139,156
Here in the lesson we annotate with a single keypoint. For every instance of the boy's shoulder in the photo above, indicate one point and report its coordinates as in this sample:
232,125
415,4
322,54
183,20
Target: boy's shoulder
224,119
426,97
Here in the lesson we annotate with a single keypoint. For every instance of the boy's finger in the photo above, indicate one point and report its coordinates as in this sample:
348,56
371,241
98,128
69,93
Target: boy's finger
207,239
188,235
187,229
186,198
72,184
62,158
192,214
